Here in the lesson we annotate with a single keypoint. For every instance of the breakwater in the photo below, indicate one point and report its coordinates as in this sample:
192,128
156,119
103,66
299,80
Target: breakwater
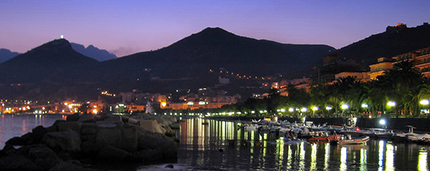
81,141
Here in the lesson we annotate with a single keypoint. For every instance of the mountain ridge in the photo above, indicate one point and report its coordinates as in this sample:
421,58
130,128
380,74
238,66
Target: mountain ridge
6,54
93,52
394,41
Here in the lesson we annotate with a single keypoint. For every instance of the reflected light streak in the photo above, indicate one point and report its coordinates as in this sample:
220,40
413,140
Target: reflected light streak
280,151
422,160
389,157
343,158
289,155
314,157
363,159
327,156
381,154
24,127
230,133
302,155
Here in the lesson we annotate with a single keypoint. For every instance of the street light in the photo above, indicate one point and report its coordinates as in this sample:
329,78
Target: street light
304,109
365,106
391,103
344,106
314,109
425,102
383,123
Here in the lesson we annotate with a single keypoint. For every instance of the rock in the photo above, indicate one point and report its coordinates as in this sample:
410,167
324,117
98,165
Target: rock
114,119
91,148
160,142
23,140
130,120
44,157
151,125
68,166
68,141
169,131
88,131
87,118
129,138
110,153
120,136
18,162
38,133
174,126
74,117
54,126
74,126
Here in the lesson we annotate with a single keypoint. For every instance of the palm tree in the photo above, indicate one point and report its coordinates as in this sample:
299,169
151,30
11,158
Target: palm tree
402,83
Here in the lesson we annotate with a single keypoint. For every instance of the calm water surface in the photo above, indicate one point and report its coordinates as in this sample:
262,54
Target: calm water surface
201,143
220,145
17,125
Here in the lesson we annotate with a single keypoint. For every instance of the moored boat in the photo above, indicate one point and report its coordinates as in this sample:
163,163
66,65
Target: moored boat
325,138
359,140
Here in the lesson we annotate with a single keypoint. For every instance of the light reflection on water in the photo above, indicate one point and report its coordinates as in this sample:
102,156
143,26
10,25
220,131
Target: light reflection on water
18,125
221,145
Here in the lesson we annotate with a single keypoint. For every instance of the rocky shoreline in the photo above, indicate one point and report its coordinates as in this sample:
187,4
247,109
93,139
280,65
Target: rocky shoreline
83,140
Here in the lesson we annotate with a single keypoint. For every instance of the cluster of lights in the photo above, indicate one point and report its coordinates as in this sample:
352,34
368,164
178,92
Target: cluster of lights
106,93
240,75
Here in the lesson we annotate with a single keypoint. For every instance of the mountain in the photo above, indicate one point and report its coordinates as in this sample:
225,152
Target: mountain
54,61
394,41
93,52
6,54
56,71
216,48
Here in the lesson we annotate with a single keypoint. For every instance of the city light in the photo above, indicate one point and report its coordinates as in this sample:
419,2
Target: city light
424,102
328,108
382,122
344,106
364,105
391,103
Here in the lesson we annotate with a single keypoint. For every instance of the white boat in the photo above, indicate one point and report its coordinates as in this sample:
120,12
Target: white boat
359,140
379,133
250,127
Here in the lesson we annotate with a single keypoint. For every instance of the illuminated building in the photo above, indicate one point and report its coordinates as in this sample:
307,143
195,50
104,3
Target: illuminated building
380,67
420,57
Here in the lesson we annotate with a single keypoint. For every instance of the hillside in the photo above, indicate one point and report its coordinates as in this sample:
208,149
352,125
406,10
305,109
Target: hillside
215,48
55,70
394,41
54,61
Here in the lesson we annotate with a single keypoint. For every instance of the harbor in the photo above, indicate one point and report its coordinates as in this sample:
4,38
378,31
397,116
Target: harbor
220,144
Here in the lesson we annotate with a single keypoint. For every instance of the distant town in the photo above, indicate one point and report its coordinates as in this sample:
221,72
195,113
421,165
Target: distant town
330,72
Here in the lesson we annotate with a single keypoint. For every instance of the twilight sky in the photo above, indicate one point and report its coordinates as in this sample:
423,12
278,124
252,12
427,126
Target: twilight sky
127,27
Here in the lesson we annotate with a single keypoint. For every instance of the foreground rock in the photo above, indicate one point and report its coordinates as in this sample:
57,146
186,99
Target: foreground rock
91,139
